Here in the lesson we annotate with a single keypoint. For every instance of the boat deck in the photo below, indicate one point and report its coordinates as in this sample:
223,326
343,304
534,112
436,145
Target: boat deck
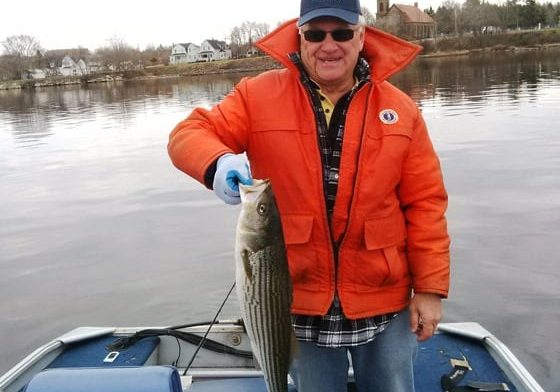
80,360
432,362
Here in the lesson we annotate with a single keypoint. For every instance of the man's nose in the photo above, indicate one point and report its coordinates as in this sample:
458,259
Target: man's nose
329,43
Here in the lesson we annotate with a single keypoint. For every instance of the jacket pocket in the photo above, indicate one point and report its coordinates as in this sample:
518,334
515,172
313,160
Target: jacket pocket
389,130
279,124
302,257
381,258
385,231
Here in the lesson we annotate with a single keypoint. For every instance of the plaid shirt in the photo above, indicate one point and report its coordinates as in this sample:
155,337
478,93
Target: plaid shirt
334,329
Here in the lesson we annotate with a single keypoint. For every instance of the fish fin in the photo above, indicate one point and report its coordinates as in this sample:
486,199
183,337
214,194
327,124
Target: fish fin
294,346
246,264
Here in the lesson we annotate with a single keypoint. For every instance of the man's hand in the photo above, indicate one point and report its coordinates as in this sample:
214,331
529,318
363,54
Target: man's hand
230,171
425,313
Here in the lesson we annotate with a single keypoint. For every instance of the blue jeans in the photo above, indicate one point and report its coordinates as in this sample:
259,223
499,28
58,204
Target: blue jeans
384,365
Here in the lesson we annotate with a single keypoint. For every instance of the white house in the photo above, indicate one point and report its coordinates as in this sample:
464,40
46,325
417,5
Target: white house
70,67
209,50
34,73
184,53
212,49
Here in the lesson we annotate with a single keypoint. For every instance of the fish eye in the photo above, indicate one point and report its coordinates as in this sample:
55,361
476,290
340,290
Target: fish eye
261,209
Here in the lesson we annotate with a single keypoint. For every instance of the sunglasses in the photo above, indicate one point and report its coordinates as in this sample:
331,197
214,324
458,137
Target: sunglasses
340,35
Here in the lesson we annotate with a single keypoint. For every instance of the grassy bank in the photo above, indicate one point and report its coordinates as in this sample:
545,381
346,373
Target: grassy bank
255,64
488,42
444,46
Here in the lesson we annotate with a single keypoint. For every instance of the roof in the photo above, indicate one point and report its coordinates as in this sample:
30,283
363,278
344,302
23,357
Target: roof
413,14
218,45
186,45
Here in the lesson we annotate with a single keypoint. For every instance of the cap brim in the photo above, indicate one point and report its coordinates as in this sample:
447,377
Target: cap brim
347,16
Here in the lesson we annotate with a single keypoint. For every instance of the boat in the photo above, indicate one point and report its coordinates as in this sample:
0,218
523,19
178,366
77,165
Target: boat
216,356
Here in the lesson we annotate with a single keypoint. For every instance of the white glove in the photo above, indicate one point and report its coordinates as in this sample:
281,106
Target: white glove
231,170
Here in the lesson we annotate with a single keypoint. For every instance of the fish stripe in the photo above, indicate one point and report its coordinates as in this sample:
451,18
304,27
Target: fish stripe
267,308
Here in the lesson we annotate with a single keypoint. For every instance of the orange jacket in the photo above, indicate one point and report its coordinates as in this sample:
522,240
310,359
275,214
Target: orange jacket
388,219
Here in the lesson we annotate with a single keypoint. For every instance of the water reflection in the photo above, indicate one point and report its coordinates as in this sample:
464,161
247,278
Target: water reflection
445,81
452,81
88,193
31,115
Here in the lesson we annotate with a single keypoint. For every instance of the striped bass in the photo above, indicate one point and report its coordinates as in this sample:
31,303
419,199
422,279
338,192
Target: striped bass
263,283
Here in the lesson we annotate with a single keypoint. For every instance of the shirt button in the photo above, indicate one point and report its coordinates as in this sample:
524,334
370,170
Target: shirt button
336,176
327,111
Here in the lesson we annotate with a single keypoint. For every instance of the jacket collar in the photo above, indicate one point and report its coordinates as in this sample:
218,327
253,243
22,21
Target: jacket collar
385,53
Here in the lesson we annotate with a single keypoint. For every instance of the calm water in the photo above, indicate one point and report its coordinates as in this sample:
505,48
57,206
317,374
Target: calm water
97,227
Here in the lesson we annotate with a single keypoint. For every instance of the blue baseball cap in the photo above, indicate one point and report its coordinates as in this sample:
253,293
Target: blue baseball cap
347,10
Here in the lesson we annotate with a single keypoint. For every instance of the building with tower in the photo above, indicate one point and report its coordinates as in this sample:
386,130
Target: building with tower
405,21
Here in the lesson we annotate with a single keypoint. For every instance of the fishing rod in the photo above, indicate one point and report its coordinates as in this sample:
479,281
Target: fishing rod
125,342
208,330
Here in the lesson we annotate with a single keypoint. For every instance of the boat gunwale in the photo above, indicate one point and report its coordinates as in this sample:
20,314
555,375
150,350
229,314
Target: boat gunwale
507,361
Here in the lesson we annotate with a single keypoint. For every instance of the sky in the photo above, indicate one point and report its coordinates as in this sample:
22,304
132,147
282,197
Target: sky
65,24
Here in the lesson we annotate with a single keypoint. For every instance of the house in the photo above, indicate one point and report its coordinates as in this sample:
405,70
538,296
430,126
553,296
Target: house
66,62
209,50
252,51
184,53
212,49
72,67
34,73
94,66
406,21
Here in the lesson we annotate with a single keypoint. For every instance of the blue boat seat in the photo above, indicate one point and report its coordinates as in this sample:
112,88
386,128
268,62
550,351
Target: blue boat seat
118,379
250,384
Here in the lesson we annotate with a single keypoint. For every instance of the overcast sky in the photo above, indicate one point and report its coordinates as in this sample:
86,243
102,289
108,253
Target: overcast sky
63,24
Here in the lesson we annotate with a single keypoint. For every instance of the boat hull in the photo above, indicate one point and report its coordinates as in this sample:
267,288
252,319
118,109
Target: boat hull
488,359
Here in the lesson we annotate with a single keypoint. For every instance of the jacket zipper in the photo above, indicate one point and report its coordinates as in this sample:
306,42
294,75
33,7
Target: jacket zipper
342,237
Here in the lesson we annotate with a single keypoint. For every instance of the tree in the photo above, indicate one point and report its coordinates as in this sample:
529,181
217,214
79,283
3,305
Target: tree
551,14
8,68
509,14
20,54
472,11
490,16
243,37
236,42
21,45
261,29
531,14
118,56
448,17
444,20
156,55
430,11
368,16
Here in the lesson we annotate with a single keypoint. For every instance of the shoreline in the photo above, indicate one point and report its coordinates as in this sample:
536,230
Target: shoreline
245,65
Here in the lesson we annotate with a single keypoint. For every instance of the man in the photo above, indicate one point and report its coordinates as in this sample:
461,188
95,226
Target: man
358,186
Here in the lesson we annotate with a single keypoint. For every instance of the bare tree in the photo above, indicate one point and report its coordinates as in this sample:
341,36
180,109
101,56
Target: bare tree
368,16
156,55
20,51
118,56
236,42
454,15
243,37
8,68
21,45
261,29
472,10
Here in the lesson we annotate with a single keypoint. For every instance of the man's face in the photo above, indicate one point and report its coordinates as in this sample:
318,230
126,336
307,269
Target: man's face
331,63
